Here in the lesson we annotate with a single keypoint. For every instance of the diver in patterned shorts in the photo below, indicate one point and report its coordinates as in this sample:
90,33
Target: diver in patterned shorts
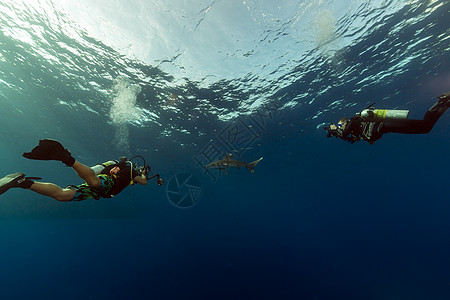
105,183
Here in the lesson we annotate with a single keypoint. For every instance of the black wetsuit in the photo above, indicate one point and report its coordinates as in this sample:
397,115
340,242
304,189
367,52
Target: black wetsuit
123,178
358,128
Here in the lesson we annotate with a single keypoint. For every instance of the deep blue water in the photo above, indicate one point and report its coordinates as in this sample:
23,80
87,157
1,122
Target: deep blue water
319,218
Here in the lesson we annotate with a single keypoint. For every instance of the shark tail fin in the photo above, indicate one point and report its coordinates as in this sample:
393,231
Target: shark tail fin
253,164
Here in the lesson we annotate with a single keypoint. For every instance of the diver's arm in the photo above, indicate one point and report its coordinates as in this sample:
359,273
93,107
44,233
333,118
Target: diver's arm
353,127
347,130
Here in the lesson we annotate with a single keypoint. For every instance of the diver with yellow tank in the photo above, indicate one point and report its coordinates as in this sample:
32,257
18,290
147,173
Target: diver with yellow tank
370,124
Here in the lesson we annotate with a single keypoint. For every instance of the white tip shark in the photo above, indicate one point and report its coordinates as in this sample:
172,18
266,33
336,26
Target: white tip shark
223,164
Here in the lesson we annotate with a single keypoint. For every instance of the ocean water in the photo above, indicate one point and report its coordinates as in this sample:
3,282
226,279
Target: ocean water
182,83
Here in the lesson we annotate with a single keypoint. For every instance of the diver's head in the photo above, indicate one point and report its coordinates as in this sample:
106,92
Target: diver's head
342,123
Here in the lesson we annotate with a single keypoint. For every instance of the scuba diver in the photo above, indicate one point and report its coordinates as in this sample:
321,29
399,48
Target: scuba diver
104,180
370,124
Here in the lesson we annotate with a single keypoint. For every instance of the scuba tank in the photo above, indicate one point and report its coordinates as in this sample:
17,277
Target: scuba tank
383,114
100,167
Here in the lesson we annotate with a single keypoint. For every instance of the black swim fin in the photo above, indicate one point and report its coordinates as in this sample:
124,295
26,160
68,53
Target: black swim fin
50,150
15,180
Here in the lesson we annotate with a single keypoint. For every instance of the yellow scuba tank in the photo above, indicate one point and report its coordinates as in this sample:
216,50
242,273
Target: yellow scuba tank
373,114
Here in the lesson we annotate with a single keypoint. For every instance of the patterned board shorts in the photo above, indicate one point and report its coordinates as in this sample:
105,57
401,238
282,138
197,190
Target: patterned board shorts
84,191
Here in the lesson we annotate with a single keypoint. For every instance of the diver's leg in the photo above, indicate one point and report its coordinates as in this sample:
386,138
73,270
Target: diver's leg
435,112
406,126
58,193
52,190
417,126
87,174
